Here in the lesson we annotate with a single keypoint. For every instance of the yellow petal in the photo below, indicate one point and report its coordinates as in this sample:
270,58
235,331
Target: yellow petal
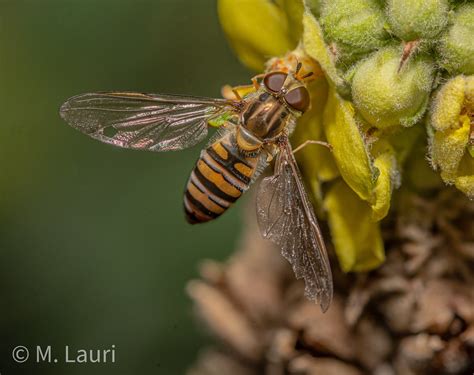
448,104
349,148
448,148
256,29
314,45
294,12
388,178
464,180
372,177
356,237
316,162
451,132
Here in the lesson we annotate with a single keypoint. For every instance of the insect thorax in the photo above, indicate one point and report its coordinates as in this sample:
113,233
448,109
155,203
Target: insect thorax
265,116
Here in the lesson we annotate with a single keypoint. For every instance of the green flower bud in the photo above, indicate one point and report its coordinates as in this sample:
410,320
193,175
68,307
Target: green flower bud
457,44
315,47
386,95
398,47
355,26
417,19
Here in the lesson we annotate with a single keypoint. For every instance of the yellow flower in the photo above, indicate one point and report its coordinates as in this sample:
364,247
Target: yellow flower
357,239
370,106
452,126
260,29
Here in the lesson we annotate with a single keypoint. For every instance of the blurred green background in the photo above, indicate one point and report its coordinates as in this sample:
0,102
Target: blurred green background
94,248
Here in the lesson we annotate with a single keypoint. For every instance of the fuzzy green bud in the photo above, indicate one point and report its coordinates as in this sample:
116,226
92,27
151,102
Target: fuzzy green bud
386,95
417,19
457,44
355,26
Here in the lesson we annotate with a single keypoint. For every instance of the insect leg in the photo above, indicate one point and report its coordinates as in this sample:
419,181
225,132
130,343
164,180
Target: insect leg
237,92
271,150
242,90
312,142
255,79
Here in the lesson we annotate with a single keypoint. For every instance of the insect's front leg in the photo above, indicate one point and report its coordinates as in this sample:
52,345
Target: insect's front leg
255,79
238,92
242,90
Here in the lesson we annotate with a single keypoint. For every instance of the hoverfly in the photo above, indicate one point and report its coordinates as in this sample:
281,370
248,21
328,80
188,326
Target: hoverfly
252,130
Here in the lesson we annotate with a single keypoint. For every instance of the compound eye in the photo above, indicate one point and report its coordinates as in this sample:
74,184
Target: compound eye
274,81
298,99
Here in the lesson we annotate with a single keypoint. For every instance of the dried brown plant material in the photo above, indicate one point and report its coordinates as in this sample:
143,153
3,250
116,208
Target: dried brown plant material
398,311
324,332
224,318
308,365
438,305
416,353
412,316
367,290
454,359
373,344
212,272
214,362
262,300
283,346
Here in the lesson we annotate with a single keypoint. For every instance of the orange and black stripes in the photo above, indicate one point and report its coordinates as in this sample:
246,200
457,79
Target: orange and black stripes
219,178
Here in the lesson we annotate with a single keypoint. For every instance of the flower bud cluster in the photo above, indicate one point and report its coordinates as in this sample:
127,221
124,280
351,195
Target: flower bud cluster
396,104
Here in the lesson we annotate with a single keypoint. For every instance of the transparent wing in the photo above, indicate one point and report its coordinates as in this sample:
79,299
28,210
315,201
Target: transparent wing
144,121
286,217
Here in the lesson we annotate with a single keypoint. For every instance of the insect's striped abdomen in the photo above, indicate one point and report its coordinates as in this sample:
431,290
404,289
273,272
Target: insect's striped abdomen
218,179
